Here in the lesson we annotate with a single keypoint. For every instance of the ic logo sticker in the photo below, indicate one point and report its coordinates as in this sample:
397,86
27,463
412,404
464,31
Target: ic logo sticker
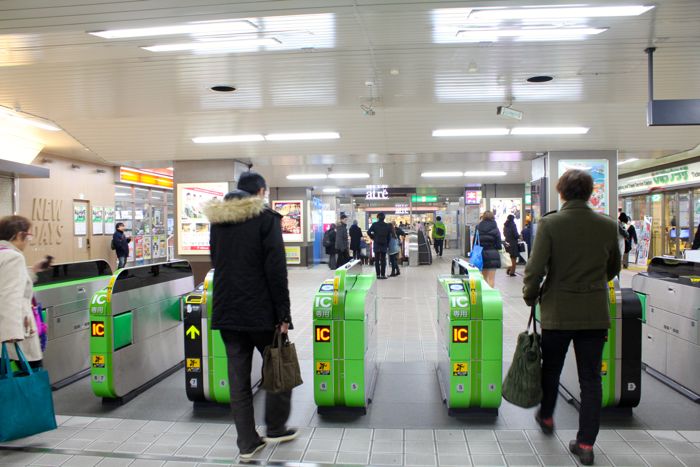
322,334
97,329
460,334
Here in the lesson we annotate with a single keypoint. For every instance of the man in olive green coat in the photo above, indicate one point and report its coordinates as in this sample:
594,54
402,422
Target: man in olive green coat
577,250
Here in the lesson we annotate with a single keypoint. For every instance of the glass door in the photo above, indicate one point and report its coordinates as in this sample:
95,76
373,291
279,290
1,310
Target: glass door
685,236
658,234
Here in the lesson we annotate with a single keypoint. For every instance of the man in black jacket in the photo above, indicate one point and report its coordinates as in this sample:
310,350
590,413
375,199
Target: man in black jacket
251,301
380,232
120,244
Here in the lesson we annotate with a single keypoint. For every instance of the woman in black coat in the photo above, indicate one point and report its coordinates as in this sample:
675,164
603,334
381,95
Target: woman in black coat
355,237
329,245
510,231
490,240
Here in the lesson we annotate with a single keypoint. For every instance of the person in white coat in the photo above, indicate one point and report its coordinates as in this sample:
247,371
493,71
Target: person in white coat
17,322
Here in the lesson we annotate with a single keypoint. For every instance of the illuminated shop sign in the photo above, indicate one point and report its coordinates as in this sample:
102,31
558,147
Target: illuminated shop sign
377,192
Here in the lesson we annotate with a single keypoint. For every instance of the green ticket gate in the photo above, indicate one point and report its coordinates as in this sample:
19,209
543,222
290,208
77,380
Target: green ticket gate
206,364
345,340
621,367
470,340
135,328
63,292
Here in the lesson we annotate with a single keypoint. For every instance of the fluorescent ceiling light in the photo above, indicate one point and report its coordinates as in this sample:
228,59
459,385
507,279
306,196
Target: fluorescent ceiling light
491,35
213,27
214,46
563,12
576,130
307,177
301,136
29,120
471,132
627,161
228,139
440,174
331,190
484,173
348,175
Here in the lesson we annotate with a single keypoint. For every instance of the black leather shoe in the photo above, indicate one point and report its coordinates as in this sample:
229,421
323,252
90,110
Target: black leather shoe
584,454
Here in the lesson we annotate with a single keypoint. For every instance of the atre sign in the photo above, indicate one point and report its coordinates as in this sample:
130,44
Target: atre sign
377,192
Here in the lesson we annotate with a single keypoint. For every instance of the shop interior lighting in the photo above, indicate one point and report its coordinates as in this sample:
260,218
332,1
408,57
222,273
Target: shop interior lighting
471,132
252,138
331,190
485,173
307,177
228,139
562,12
28,119
301,136
574,130
441,174
552,34
215,46
518,131
627,161
204,27
348,175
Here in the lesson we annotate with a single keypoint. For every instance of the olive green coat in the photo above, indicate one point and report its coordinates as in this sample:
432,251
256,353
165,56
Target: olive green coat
577,250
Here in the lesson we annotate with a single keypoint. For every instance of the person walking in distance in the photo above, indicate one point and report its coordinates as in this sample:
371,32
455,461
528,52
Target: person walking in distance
329,245
394,250
120,244
342,241
355,239
439,232
380,233
510,231
251,301
629,240
574,301
490,240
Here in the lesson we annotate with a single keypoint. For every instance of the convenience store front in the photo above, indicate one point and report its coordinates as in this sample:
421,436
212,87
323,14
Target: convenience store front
671,199
144,203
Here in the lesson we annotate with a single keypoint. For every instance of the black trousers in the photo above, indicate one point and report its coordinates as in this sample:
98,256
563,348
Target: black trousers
356,253
394,260
380,263
588,346
439,242
240,346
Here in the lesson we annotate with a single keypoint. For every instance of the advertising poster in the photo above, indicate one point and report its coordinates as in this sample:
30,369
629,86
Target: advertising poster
138,247
293,220
97,220
108,217
598,168
80,219
644,237
502,207
160,246
192,225
293,254
147,244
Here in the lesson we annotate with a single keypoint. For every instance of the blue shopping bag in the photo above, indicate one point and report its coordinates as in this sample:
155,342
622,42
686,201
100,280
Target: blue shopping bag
476,257
26,403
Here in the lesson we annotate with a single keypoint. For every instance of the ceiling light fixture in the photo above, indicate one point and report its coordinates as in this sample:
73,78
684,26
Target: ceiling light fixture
331,190
348,175
301,136
627,161
441,174
484,173
470,132
204,27
492,35
307,177
563,12
575,130
228,139
214,46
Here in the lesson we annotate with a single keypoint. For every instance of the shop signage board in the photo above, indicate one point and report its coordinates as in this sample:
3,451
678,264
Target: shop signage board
145,178
472,197
292,220
424,198
293,254
660,179
401,209
598,169
192,224
377,192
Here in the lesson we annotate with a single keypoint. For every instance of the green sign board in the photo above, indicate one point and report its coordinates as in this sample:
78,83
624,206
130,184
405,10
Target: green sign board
424,199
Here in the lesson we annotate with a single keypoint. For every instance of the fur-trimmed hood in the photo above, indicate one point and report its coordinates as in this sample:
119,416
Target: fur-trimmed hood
234,210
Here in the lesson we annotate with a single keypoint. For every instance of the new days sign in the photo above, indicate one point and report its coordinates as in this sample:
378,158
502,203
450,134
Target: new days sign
666,178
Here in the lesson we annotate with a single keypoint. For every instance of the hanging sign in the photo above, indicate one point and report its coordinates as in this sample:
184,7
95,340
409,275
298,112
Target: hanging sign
402,209
472,197
424,198
377,192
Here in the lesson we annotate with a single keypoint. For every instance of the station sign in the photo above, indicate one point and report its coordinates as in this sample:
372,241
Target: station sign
472,197
377,192
145,178
424,198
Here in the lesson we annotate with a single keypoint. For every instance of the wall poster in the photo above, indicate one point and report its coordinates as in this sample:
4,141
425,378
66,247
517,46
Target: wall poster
97,220
644,237
293,220
598,169
147,247
80,218
160,246
503,207
192,225
108,217
293,254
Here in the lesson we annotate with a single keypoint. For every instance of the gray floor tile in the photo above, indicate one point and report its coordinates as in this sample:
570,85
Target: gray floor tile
381,458
690,461
132,448
132,424
78,422
387,446
51,459
615,447
420,459
522,460
357,434
488,460
155,426
557,460
388,435
449,448
609,435
480,435
691,435
116,436
666,435
327,457
192,451
635,435
174,439
420,447
516,447
453,460
359,458
143,437
104,423
229,453
213,429
355,445
511,435
661,460
681,447
90,434
450,435
162,450
203,439
147,463
184,427
180,464
82,461
484,448
648,447
103,446
327,433
550,447
626,460
323,444
74,444
419,435
301,443
287,455
115,462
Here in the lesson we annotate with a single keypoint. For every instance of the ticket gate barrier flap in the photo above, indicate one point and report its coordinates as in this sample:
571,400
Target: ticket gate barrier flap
135,328
470,316
64,292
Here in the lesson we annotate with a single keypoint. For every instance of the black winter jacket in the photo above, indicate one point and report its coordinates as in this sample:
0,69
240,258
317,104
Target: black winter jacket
250,277
490,239
510,231
121,244
380,232
355,237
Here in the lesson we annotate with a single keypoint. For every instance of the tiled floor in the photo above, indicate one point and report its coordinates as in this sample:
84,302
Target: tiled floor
403,426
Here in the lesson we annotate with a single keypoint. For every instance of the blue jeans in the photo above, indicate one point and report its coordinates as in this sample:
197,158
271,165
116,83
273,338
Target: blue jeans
121,261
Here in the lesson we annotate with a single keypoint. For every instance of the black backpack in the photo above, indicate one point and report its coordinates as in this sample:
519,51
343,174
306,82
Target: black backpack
113,245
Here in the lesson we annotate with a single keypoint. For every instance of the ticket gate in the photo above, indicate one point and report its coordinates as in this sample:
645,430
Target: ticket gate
470,341
135,328
206,364
63,292
670,293
621,368
345,340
